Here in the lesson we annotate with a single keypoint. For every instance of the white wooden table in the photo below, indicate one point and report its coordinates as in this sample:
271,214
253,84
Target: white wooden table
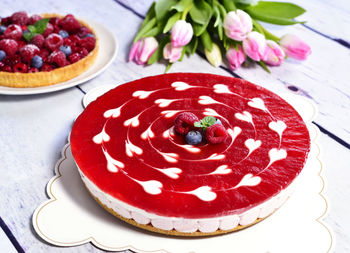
34,128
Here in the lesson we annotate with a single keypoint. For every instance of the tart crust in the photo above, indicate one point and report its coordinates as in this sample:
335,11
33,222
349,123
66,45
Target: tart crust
30,80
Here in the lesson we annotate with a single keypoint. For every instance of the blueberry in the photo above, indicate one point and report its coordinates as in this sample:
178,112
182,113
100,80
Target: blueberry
193,137
2,55
2,29
37,62
63,34
218,122
66,50
89,35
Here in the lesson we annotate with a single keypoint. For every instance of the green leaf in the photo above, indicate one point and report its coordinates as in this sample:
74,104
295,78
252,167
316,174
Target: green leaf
274,20
229,5
275,12
220,32
221,9
181,6
192,46
145,29
206,40
159,52
277,9
209,120
28,35
150,14
162,7
217,16
41,25
201,12
31,28
153,32
171,22
205,122
198,29
197,124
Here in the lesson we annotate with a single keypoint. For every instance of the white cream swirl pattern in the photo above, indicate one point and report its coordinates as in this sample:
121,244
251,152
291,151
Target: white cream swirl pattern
204,192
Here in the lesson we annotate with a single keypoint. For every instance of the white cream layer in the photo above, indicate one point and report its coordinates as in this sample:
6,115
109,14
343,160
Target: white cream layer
185,225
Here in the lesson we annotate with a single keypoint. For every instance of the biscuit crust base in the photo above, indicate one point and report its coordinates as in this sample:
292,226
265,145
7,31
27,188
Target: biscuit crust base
31,80
173,232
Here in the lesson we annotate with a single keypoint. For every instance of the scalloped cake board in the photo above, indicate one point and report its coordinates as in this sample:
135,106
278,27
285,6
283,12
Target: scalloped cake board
71,217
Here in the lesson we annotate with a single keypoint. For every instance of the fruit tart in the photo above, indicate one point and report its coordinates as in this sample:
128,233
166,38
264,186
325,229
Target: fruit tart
45,49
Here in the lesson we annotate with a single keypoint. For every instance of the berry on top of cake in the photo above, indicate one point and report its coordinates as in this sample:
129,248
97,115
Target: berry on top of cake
42,43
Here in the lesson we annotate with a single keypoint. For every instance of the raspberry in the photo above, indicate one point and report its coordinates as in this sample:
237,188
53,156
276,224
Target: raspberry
53,41
48,30
21,44
9,46
33,19
38,40
12,60
74,39
83,31
13,32
33,70
67,42
1,64
44,54
54,21
74,57
7,68
88,43
69,23
216,134
184,122
58,58
20,67
6,21
20,18
27,52
83,52
46,67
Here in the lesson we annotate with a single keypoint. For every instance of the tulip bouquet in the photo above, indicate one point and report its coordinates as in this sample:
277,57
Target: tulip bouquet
173,28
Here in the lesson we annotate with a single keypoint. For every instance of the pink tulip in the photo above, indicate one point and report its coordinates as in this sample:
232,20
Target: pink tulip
275,54
237,25
295,47
181,33
142,50
171,53
235,57
255,46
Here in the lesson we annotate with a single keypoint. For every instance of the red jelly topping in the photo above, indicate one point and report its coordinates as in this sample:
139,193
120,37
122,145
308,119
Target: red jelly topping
125,144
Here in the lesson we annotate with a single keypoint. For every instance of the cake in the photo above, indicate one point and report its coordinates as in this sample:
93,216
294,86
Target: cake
45,49
141,170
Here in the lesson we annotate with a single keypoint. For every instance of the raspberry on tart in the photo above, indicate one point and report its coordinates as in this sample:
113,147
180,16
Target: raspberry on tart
141,169
66,47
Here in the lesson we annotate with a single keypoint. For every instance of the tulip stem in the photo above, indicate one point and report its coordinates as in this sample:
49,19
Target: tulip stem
186,11
268,35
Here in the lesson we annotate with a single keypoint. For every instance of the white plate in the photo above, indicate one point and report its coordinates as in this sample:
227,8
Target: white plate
108,48
71,217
